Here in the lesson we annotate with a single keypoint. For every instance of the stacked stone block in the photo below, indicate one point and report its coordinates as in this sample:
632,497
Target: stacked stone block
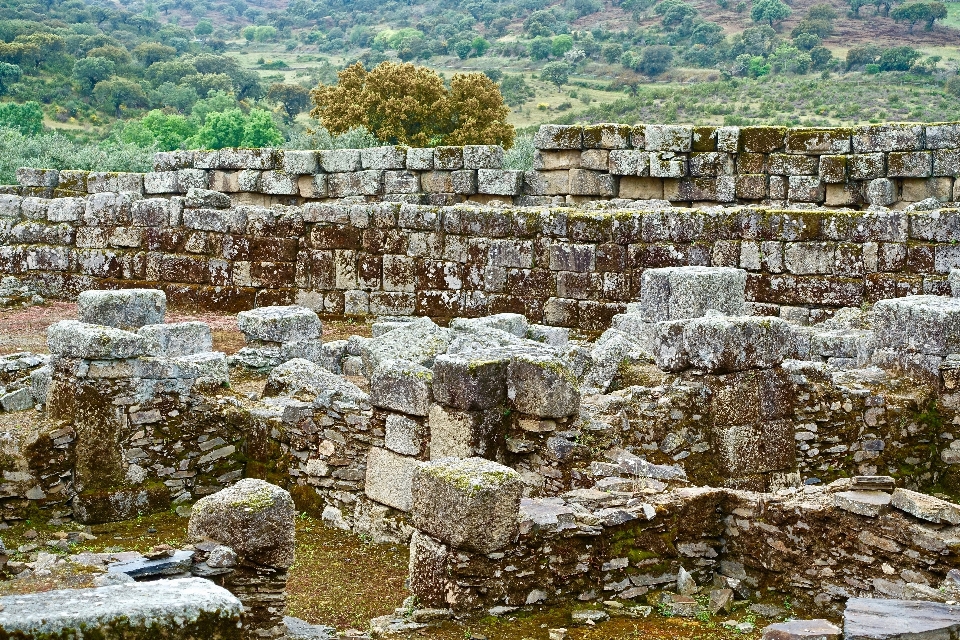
277,334
123,390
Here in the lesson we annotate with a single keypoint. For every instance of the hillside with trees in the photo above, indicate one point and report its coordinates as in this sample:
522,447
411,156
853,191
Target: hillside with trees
208,74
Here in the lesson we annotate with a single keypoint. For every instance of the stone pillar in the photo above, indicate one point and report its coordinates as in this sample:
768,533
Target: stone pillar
256,520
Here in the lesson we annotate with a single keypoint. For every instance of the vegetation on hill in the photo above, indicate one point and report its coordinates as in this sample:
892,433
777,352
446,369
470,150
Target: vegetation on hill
169,74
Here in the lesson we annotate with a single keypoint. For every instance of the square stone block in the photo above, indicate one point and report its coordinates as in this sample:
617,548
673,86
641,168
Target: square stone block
124,309
73,339
279,324
177,339
472,381
722,344
672,293
542,385
389,478
469,504
461,434
928,325
402,386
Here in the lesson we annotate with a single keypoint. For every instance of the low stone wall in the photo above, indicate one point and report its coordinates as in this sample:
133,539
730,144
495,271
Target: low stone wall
559,266
891,164
590,545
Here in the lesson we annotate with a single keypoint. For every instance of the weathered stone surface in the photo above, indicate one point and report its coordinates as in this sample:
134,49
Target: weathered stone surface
306,380
124,309
471,503
673,293
880,619
253,517
390,478
864,503
463,434
721,344
73,339
802,630
419,341
471,381
404,435
188,609
280,324
403,386
542,385
177,339
919,324
926,507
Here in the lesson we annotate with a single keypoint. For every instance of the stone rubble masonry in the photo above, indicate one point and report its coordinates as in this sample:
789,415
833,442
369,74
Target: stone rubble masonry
851,167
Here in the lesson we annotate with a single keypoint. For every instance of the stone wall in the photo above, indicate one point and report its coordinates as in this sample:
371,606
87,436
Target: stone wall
883,165
559,266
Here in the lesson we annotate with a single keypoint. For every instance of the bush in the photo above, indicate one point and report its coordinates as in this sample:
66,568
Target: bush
27,118
953,86
56,151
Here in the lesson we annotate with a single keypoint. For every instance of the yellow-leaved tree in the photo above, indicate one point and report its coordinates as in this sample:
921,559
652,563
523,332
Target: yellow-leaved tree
410,105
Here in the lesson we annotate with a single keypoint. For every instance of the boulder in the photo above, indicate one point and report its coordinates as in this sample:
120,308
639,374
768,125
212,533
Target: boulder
253,517
418,341
123,309
305,380
470,503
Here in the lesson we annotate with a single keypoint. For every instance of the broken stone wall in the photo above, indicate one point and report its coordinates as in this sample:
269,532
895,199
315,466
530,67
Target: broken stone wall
557,266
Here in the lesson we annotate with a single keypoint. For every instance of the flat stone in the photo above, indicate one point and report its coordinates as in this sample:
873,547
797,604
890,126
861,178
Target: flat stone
298,629
73,339
19,400
880,619
926,507
864,503
589,616
818,629
188,609
179,562
873,483
390,478
123,309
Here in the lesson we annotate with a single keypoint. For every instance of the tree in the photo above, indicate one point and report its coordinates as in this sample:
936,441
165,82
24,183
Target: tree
862,55
540,48
221,130
9,73
410,105
769,11
655,60
820,57
915,12
149,53
953,86
168,131
26,118
203,28
463,49
557,73
855,7
515,90
294,98
90,71
480,46
117,92
560,45
259,130
611,52
898,58
674,12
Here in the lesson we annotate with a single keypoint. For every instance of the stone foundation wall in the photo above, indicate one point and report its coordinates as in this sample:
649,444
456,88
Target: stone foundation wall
558,266
589,545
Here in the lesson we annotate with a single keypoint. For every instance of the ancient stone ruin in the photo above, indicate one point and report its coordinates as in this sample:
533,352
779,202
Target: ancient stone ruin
671,366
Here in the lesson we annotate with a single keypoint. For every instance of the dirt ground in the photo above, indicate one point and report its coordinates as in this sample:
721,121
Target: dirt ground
26,329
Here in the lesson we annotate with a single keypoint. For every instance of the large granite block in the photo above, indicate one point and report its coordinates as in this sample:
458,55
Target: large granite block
124,308
918,324
280,324
673,293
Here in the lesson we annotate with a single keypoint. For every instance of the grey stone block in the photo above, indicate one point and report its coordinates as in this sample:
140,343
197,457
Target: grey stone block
258,159
73,339
177,339
542,385
420,159
402,386
300,162
198,198
389,478
926,507
918,324
722,344
462,434
219,220
499,182
19,400
887,619
471,382
673,293
192,179
30,177
279,183
124,308
863,503
404,435
419,341
173,160
187,609
381,158
160,182
471,504
253,517
802,630
668,137
482,156
340,160
557,136
280,324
